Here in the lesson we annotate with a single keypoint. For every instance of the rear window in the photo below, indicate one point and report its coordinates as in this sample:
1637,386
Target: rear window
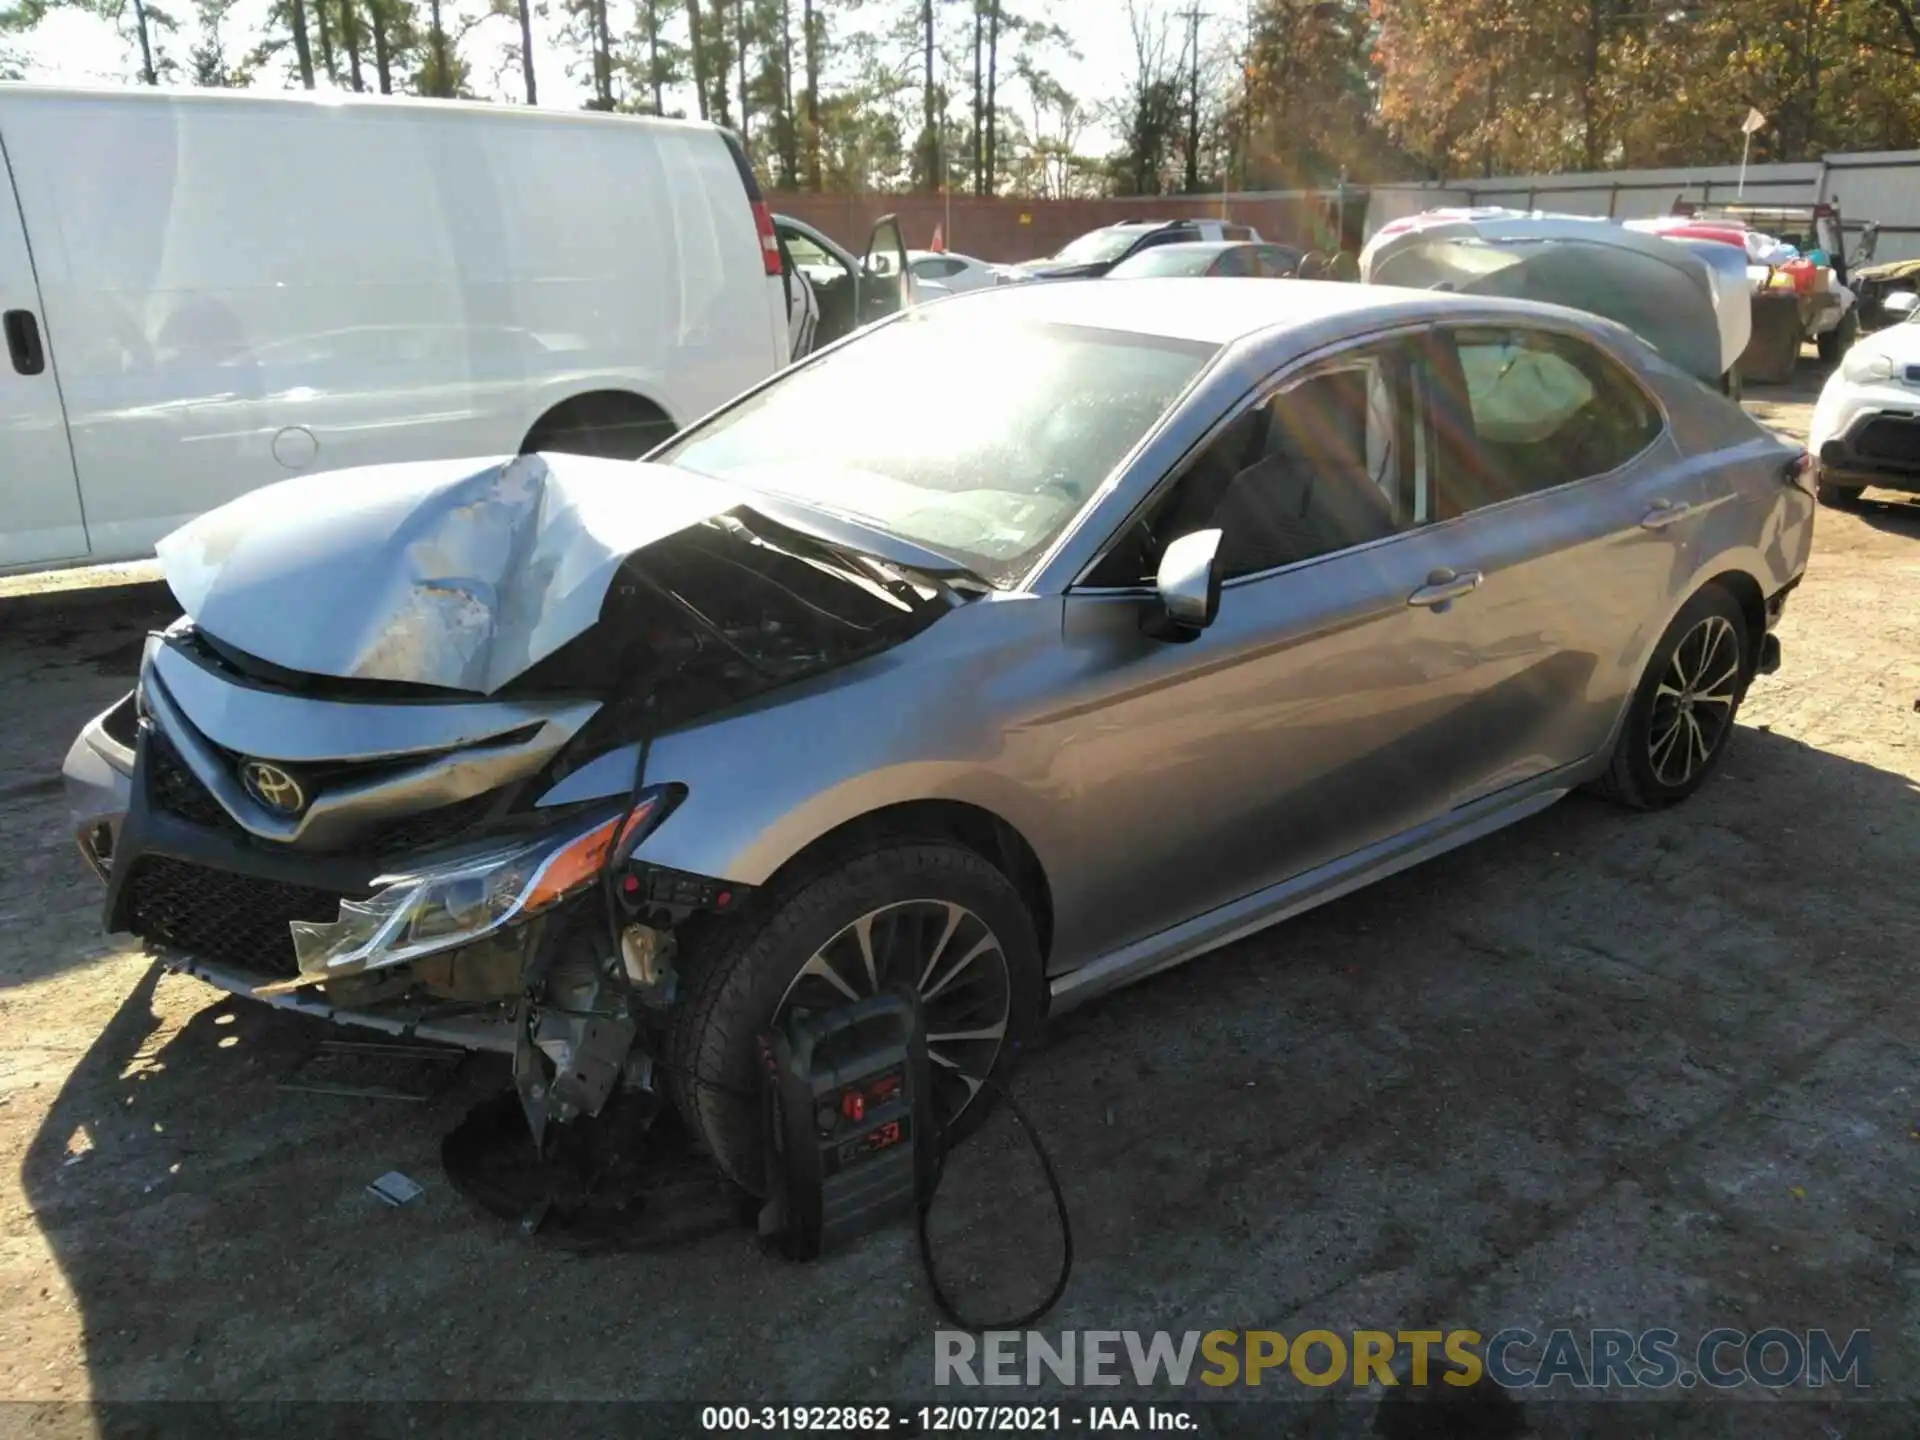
1165,260
1097,246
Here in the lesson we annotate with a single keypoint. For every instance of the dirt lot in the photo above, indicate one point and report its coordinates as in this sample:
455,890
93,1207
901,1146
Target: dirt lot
1600,1069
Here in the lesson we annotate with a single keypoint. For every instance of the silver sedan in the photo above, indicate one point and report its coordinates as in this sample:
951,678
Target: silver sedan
1007,652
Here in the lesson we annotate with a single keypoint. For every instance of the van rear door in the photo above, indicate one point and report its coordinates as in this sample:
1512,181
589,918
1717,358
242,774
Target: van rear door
779,285
43,520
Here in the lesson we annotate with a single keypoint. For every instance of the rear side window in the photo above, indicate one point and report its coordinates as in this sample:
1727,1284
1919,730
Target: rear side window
1545,409
1234,262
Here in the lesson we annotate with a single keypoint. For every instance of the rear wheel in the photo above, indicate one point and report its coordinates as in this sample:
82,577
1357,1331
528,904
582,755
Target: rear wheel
1682,715
930,918
1837,341
1840,497
609,423
1730,383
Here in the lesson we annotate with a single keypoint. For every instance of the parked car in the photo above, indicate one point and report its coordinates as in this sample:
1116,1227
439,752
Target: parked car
1241,258
193,287
956,273
1696,314
1098,251
1875,285
1866,425
832,293
1172,609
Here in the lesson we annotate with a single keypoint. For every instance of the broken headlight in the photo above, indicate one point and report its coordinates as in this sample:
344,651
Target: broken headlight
440,907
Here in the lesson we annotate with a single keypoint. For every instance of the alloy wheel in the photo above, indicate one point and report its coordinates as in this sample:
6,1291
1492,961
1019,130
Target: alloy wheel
938,950
1693,706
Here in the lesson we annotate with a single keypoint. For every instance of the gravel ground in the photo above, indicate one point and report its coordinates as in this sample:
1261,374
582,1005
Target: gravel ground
1599,1069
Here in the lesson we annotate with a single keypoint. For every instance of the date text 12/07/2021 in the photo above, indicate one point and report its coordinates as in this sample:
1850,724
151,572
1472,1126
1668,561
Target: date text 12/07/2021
946,1419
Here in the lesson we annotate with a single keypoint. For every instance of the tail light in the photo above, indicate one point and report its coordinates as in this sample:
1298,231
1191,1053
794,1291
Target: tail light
769,242
1799,471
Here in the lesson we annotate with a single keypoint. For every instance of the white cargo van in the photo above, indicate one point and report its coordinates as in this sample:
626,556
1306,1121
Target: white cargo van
203,293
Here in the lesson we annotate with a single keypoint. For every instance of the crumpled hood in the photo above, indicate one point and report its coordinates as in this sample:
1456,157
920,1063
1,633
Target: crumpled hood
454,573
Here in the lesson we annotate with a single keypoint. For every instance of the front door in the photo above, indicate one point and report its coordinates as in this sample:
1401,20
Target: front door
884,280
1332,703
43,520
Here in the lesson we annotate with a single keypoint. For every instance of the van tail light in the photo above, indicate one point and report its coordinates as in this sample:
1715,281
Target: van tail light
769,242
1799,471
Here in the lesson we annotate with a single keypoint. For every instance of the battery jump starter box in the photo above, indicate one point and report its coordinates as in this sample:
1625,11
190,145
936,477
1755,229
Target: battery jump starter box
850,1142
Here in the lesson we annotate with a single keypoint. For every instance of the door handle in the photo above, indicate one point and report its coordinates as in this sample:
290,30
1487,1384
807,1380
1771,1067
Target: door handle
1663,514
23,342
1445,585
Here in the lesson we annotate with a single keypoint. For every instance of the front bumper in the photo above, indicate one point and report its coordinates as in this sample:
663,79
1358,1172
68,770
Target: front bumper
1869,434
154,863
98,773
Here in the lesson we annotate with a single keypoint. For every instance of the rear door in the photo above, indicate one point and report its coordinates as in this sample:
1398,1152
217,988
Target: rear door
43,520
1560,498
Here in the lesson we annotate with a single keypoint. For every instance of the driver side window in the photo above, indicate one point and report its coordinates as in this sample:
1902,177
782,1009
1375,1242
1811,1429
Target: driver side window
1335,459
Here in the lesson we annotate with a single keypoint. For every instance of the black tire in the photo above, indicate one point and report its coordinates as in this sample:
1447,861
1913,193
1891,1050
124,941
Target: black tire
1837,341
739,974
610,425
1839,497
1730,383
1645,773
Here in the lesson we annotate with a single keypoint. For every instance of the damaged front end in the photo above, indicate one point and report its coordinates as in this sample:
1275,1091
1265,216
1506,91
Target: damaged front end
386,769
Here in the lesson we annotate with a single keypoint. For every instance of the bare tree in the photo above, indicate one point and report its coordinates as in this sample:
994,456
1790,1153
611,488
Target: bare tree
1149,115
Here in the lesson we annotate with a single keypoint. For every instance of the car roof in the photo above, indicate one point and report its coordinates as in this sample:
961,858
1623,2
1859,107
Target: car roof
1220,310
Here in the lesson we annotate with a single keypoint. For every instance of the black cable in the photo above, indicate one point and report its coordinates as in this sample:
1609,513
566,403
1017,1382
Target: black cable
940,1297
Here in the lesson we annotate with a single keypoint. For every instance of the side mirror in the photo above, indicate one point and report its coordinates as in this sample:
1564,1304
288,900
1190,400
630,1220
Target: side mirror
1188,586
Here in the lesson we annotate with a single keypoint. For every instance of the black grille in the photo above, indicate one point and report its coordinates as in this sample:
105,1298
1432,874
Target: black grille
215,915
1888,438
428,827
178,791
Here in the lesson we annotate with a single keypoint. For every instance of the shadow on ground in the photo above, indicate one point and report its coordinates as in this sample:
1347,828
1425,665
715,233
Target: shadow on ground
1599,1069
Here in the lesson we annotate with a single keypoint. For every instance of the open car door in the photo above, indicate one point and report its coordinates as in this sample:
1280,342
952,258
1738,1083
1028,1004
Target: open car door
883,273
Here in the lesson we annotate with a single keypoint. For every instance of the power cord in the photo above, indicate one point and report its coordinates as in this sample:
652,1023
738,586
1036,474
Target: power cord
941,1299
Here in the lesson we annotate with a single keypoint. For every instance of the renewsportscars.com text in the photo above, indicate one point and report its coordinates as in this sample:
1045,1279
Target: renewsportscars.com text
1515,1358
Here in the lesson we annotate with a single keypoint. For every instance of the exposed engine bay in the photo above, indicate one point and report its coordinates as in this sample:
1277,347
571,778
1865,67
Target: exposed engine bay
390,768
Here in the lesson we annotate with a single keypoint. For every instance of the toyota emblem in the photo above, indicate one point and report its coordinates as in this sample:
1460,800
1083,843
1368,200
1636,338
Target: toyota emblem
273,787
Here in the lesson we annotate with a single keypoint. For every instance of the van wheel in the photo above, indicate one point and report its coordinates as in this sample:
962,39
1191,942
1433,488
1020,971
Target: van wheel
926,917
1682,715
608,423
1730,383
1838,497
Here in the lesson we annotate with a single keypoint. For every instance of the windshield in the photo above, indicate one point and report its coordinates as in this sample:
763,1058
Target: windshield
1096,246
1166,260
977,439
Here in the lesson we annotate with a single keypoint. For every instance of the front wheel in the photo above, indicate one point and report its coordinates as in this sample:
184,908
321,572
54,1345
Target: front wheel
1682,715
929,918
1839,497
